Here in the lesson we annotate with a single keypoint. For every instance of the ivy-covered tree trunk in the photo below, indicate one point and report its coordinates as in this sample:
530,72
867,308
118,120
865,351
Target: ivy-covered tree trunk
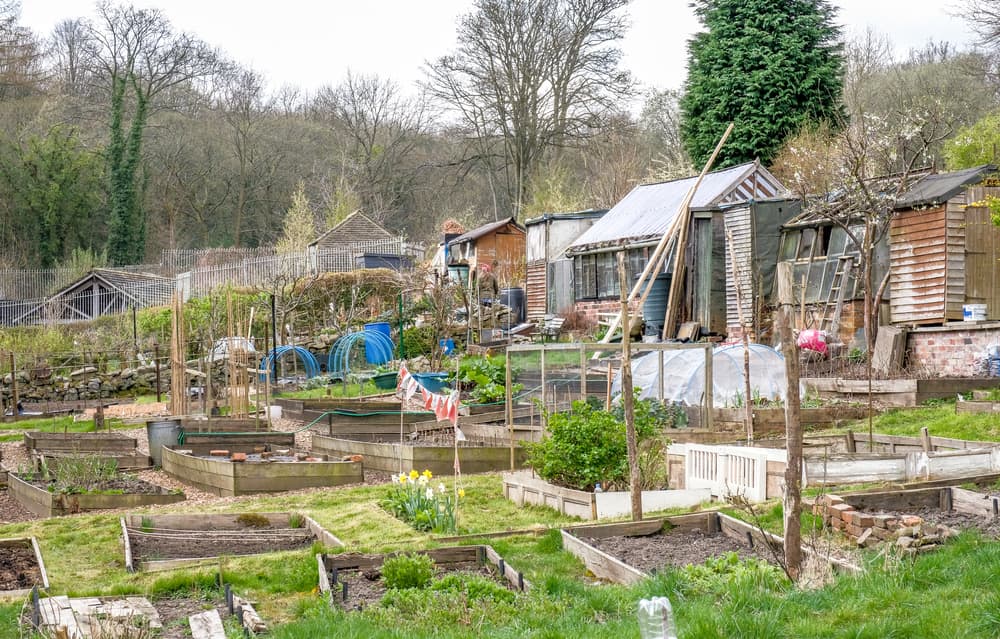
127,232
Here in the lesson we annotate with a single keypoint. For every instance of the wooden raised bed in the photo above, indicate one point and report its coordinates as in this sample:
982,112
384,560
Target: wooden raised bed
524,488
607,567
224,425
207,529
769,420
53,446
896,392
440,460
227,478
977,406
235,442
449,558
45,504
34,576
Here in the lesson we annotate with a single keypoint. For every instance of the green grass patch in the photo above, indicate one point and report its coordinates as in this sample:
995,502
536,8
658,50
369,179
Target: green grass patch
940,419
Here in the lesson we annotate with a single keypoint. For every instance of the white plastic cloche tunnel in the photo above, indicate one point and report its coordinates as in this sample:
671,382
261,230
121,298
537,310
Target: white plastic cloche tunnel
684,375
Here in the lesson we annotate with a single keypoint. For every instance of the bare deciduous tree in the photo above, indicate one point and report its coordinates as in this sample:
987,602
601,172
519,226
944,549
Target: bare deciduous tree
142,60
532,76
381,128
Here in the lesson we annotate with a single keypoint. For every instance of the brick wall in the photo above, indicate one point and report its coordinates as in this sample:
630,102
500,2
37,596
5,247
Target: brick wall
949,351
593,309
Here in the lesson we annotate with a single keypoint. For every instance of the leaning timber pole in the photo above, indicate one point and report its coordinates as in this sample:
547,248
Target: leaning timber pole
631,439
792,502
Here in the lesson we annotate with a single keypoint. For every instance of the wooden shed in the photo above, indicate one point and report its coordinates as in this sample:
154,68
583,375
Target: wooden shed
102,291
944,250
549,285
347,245
502,243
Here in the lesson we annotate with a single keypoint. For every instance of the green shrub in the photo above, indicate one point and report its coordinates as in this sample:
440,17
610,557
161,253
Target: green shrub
413,570
587,446
419,340
485,378
720,576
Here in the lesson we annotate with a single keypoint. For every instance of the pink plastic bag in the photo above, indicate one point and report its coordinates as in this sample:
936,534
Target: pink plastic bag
812,340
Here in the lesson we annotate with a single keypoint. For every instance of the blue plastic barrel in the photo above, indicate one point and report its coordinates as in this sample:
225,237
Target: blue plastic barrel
447,346
374,354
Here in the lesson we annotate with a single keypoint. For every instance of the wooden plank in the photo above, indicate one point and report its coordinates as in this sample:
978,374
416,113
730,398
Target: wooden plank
890,347
129,565
974,503
509,574
600,563
207,625
322,534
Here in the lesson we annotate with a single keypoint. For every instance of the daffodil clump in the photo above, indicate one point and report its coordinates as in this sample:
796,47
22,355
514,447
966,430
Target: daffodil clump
416,501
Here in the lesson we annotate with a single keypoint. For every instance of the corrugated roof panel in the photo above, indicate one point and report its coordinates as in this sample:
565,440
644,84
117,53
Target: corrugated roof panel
940,187
648,209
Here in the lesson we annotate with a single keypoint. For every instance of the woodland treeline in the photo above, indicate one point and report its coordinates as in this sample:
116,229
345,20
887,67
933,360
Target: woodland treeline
121,136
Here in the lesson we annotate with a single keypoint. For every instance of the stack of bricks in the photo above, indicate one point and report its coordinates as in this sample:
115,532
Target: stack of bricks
910,533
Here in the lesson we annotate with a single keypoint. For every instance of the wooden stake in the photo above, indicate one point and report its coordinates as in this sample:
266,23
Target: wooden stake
748,406
509,412
792,499
14,401
631,439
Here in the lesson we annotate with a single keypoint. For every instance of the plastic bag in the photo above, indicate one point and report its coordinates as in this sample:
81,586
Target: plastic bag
812,340
656,619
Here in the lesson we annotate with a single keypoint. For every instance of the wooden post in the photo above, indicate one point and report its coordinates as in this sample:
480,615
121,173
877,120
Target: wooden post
13,387
545,395
709,418
925,440
509,412
792,501
607,388
659,373
631,439
583,372
849,442
156,366
745,338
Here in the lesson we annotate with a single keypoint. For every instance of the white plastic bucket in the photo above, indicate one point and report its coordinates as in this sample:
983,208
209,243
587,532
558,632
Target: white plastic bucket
274,412
974,312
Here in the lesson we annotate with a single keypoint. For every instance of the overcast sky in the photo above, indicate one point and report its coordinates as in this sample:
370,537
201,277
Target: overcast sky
310,43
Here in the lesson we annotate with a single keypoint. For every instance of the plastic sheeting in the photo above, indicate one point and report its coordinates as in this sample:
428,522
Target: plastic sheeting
684,375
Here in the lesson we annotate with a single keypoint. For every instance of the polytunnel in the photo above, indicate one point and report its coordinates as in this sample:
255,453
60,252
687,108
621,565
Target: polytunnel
684,375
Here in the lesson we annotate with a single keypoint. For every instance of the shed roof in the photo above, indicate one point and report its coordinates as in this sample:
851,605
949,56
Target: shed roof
485,230
589,214
648,209
938,188
356,227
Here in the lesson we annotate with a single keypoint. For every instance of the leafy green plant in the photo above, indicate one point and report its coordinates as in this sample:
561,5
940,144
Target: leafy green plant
485,379
587,446
412,499
419,340
475,587
413,570
727,573
296,520
80,474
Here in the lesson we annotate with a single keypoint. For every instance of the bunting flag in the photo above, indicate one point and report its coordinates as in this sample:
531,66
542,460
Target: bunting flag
444,407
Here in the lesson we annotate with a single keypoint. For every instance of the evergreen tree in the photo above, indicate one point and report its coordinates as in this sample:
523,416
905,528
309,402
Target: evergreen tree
770,66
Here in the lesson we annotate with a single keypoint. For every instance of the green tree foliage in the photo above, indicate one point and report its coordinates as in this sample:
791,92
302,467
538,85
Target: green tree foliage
300,223
55,184
975,144
768,66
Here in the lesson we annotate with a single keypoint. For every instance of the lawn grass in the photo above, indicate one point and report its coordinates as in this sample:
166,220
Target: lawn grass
952,592
13,431
938,416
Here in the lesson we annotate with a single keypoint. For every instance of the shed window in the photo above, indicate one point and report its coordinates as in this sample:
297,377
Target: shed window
596,275
806,245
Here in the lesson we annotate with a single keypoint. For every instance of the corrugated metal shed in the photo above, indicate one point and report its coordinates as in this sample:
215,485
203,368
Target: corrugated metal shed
646,212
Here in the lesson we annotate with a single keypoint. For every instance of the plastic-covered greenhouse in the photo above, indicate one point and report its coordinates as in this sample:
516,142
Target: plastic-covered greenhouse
684,375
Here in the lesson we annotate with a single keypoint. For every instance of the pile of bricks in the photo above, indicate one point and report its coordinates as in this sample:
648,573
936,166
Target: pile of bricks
909,532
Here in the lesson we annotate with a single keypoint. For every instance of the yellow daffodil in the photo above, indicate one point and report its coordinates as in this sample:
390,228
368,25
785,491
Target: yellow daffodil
461,492
414,474
402,478
427,474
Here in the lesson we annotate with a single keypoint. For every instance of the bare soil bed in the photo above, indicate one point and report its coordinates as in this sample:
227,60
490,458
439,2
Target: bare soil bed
365,587
193,544
19,568
126,484
11,511
677,548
